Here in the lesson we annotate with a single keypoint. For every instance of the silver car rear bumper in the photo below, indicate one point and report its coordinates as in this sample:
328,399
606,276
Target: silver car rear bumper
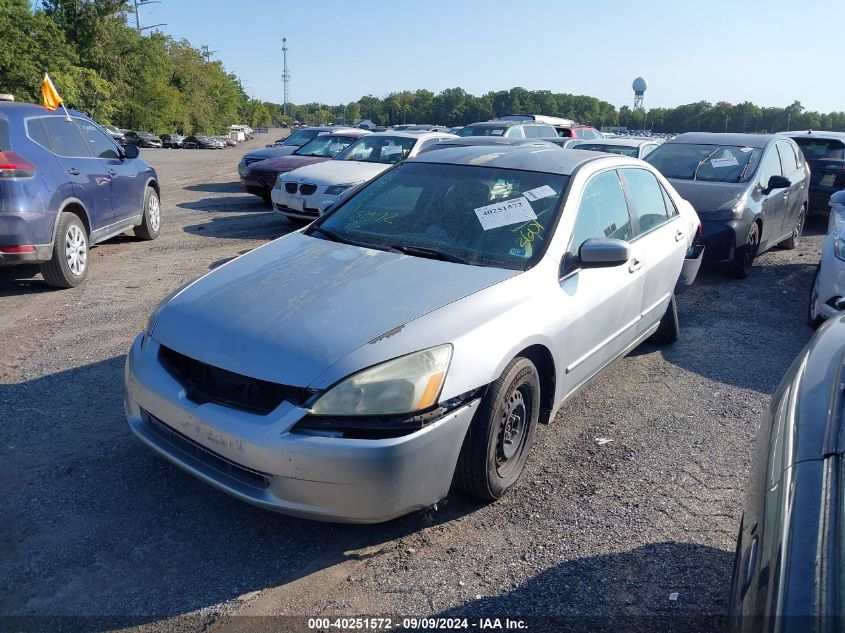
258,460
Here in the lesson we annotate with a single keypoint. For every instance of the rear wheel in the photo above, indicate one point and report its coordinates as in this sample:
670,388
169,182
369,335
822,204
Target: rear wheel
69,265
669,329
814,315
151,221
744,258
793,239
501,435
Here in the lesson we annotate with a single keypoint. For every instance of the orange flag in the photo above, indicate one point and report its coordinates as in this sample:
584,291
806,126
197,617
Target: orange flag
50,98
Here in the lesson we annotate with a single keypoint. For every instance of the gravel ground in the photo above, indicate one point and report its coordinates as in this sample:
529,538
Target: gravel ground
94,525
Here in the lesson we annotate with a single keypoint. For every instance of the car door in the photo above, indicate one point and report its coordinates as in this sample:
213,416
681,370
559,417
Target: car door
126,189
600,307
89,175
773,203
794,196
661,237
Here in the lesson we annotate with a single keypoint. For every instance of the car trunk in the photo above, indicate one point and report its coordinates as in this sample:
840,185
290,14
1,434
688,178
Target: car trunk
827,160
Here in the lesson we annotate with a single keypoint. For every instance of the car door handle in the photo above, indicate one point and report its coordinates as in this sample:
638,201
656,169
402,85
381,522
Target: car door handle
679,235
112,172
73,171
635,265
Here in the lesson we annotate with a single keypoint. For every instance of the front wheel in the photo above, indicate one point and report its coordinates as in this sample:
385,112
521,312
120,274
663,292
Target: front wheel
744,258
814,315
501,434
151,220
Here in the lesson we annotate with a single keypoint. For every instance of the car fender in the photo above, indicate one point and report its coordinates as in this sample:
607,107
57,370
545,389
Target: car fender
66,203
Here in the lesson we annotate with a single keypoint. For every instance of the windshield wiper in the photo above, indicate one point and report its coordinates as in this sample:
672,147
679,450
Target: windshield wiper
335,237
431,253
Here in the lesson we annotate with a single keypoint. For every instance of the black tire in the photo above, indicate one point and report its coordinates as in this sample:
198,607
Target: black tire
814,319
489,465
795,237
69,265
150,225
669,329
744,258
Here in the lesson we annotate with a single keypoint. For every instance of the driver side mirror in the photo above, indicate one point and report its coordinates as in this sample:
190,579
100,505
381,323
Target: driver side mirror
777,182
602,253
131,151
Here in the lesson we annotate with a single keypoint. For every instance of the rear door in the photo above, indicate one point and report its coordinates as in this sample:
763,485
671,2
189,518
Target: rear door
661,237
127,189
90,177
600,306
795,195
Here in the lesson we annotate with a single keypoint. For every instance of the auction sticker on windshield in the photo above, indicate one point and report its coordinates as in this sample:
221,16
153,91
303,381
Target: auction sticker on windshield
539,193
504,213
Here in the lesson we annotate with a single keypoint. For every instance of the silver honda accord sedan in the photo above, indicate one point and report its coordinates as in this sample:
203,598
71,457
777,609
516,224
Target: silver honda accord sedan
416,334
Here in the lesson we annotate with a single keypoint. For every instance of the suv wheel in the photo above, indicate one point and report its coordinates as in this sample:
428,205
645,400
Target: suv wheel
151,222
69,264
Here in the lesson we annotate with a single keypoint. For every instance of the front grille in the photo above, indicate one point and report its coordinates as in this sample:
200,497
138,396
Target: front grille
208,384
226,467
290,187
307,190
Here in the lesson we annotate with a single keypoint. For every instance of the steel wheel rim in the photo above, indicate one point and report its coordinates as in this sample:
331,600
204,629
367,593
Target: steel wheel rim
76,250
154,212
513,430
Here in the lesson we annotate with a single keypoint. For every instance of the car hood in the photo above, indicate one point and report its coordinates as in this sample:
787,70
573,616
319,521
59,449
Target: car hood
286,163
708,196
289,310
268,152
338,172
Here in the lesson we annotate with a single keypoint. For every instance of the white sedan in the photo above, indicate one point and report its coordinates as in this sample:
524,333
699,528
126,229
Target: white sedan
829,283
304,193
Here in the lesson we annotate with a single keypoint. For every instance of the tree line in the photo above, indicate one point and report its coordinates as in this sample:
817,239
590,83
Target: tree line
103,67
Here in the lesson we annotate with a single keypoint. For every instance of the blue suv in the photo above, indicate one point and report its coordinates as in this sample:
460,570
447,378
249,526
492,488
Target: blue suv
65,185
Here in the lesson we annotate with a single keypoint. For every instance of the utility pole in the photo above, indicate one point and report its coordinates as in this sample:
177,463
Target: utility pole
207,53
138,4
285,75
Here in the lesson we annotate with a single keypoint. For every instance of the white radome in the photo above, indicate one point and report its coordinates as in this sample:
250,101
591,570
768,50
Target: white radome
639,85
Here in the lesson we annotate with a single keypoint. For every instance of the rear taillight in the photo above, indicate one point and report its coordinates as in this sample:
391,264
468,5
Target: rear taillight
13,165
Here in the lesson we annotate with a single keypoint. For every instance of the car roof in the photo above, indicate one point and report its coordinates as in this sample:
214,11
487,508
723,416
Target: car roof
719,138
624,142
508,123
815,133
545,159
28,109
415,134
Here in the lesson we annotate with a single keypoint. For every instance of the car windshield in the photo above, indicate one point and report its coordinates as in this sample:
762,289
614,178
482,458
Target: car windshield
378,149
706,163
623,150
483,130
300,138
476,215
203,139
821,148
326,146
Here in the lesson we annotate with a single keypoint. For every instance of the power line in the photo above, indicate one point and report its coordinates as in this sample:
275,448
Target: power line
285,75
138,4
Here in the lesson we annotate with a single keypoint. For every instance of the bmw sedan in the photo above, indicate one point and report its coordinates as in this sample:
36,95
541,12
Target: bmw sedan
413,336
750,191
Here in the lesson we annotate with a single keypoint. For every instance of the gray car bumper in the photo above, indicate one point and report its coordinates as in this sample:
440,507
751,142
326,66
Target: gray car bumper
256,459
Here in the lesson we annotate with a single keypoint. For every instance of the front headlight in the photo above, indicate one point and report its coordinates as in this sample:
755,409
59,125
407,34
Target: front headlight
839,248
336,190
403,385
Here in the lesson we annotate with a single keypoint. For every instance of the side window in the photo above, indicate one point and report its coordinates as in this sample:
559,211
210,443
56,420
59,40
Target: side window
648,149
770,167
515,131
65,138
646,197
602,213
787,158
100,145
35,130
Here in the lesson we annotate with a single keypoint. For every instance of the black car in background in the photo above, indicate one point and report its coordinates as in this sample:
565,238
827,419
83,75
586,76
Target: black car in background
787,573
173,141
749,190
199,142
141,139
116,133
825,152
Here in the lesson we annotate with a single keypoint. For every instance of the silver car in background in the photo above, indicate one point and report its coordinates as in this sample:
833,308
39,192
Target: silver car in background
416,334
